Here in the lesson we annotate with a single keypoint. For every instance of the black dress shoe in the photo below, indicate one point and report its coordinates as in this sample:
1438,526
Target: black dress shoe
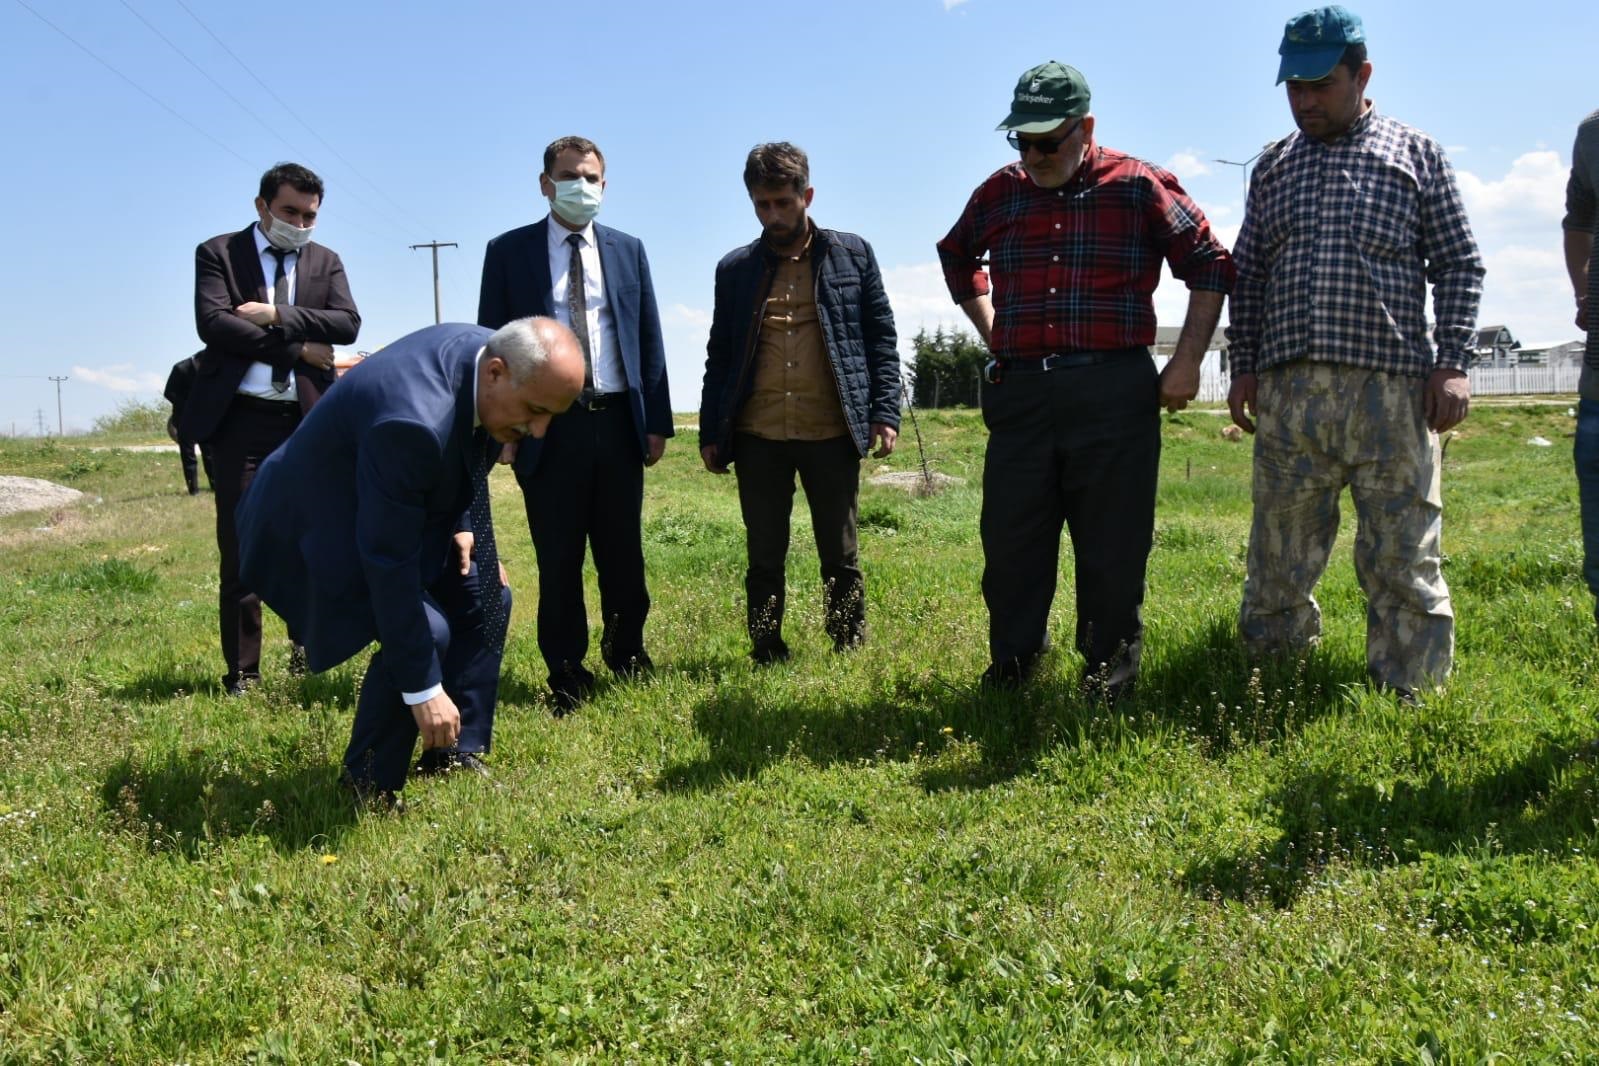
569,688
632,667
1009,675
369,798
769,651
240,685
436,762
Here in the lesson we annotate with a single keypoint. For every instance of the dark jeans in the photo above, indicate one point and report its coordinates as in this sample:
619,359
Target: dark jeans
251,430
384,732
829,471
1079,446
586,490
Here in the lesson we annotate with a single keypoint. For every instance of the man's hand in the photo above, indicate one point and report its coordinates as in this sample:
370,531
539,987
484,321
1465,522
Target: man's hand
1582,312
317,354
172,430
711,456
1241,401
462,548
438,720
657,447
258,313
1447,398
883,436
1179,383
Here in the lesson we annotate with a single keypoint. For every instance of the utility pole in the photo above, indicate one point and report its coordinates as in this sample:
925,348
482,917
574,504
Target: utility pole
1243,168
61,430
435,246
39,414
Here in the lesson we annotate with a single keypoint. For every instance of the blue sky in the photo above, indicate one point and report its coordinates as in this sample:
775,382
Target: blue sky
428,121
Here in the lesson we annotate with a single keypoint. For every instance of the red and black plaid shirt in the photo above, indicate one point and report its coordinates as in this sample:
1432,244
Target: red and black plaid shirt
1074,268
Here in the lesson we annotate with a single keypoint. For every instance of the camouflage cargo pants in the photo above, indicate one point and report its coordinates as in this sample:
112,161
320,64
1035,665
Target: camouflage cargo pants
1322,426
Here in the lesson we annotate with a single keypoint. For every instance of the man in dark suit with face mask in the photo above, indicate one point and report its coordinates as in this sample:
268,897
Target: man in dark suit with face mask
269,305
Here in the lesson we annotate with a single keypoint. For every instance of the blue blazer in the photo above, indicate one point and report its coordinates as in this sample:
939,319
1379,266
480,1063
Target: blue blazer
516,283
351,519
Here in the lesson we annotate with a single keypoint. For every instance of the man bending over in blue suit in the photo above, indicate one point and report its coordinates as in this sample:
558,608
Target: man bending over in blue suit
361,528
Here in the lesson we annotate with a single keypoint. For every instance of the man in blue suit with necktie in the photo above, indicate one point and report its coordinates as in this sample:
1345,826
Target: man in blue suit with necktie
584,484
366,523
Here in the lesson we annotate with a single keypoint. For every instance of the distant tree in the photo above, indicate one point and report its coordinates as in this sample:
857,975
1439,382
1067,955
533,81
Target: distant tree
947,369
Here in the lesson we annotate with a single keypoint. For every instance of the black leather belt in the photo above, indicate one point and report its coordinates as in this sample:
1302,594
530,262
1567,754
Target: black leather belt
245,401
599,401
997,369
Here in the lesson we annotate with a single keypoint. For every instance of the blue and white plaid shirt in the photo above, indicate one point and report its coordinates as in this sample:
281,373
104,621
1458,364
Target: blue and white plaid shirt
1338,244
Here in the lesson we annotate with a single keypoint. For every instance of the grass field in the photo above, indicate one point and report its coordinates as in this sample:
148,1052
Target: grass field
847,858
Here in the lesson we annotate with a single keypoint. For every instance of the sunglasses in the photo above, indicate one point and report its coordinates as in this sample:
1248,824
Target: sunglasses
1043,146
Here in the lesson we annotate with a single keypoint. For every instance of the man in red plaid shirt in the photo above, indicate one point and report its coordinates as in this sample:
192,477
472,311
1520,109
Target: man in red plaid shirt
1075,234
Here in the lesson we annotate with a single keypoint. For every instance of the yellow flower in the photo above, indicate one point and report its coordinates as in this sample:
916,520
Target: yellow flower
329,860
948,731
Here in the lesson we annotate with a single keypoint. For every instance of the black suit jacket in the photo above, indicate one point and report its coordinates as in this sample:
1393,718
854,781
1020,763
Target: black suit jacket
227,273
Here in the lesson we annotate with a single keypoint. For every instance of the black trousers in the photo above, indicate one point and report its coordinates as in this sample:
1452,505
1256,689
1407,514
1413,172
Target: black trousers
829,471
1080,447
191,466
251,430
586,491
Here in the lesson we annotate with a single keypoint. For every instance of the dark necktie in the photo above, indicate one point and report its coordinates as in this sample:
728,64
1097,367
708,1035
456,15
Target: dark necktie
577,307
491,600
280,295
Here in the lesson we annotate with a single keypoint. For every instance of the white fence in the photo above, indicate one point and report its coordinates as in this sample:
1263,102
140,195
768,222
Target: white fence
1485,381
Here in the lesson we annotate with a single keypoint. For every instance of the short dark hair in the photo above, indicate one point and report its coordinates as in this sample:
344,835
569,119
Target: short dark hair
775,164
583,146
302,178
1354,56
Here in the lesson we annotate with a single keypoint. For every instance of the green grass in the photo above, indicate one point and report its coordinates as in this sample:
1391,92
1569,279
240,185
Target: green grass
858,858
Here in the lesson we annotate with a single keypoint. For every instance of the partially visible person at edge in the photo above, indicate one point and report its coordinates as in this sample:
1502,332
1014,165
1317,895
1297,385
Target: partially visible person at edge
179,381
269,304
802,377
1347,222
1582,263
1076,234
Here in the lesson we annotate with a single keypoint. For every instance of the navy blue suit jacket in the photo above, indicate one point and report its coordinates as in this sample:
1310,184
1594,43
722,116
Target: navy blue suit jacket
516,284
351,519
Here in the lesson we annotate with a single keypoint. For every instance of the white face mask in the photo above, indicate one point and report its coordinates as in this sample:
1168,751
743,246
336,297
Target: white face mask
577,201
287,237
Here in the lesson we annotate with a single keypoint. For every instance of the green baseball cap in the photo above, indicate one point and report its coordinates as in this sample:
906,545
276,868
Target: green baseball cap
1045,97
1314,41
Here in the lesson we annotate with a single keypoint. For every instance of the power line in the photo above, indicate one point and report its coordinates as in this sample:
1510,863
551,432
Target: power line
392,220
141,89
281,103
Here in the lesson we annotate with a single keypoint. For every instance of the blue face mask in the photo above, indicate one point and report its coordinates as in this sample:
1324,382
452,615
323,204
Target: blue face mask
577,201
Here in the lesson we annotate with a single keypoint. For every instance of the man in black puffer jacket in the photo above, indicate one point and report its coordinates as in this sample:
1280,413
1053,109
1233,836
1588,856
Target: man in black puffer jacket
801,376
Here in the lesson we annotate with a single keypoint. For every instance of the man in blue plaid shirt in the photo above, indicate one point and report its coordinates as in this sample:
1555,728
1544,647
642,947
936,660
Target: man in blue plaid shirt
1347,222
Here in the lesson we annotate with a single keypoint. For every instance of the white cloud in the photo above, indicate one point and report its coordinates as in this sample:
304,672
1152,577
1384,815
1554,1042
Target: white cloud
920,300
1531,197
684,315
1187,164
120,377
950,5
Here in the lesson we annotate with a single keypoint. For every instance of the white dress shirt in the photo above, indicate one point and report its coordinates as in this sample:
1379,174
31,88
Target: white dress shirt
257,380
608,373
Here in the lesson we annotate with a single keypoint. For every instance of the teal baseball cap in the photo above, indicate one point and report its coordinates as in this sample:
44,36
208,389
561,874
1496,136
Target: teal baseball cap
1046,96
1314,41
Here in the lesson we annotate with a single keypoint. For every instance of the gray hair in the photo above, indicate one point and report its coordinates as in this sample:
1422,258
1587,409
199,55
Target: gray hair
522,349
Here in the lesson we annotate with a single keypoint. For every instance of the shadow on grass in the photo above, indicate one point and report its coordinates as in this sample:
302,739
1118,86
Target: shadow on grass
171,681
1537,804
182,801
965,737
